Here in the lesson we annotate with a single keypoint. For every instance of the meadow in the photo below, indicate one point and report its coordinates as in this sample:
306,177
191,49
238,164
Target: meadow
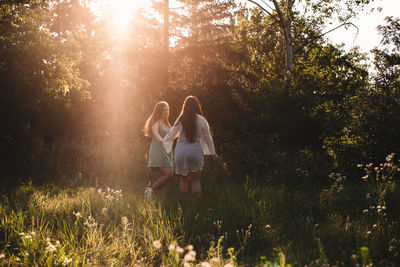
345,223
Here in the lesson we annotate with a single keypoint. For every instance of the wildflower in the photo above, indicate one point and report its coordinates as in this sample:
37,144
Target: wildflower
179,250
365,211
359,165
190,247
186,264
90,222
66,261
215,260
171,247
365,177
57,242
26,254
33,233
205,264
190,256
124,220
51,248
47,240
354,257
369,232
390,157
229,265
22,233
157,244
374,226
267,226
77,214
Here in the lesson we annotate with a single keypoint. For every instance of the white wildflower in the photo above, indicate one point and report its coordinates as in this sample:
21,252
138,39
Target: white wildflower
190,247
369,232
171,247
185,264
205,264
51,248
179,250
77,214
229,265
374,226
57,242
215,260
33,233
365,211
190,256
390,157
267,226
157,244
2,256
67,261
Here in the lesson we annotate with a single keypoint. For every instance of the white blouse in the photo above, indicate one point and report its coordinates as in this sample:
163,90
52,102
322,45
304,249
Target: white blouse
203,136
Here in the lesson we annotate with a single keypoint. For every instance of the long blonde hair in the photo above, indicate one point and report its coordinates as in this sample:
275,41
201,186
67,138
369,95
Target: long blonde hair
154,117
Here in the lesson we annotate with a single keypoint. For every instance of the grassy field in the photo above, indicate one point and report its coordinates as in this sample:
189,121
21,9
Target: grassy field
247,224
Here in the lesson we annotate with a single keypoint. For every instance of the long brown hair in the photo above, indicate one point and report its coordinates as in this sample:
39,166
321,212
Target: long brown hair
154,117
191,106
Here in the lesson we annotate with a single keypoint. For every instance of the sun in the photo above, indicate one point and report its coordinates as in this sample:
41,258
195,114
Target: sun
121,12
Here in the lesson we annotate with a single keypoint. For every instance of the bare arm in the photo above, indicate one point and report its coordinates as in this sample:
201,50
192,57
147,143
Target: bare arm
168,140
207,142
154,131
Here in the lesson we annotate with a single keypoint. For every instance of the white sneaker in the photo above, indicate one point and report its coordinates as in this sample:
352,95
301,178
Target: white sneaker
148,192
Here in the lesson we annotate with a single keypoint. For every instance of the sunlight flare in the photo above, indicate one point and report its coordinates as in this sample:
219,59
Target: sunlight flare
121,12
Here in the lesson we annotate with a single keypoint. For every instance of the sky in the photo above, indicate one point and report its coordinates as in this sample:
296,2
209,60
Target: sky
367,21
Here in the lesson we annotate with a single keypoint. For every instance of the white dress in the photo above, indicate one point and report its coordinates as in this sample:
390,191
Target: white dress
189,157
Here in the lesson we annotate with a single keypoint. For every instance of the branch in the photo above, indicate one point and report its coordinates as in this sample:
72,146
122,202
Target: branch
319,36
265,3
260,6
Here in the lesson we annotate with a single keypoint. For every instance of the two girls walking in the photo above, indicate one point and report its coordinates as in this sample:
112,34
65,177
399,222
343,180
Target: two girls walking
194,141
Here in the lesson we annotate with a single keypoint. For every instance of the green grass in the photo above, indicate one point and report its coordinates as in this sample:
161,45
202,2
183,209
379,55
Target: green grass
245,224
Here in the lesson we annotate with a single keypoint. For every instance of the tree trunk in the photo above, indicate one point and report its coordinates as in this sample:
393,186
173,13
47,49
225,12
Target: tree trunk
166,43
286,25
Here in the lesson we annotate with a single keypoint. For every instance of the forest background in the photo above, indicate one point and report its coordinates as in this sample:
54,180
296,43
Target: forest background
76,91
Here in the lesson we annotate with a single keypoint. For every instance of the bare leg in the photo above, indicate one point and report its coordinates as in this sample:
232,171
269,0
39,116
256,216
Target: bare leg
196,187
166,175
184,185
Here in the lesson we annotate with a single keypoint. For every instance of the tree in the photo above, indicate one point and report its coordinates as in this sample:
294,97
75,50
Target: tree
317,12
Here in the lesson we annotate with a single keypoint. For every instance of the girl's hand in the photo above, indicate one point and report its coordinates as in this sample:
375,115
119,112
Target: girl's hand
215,157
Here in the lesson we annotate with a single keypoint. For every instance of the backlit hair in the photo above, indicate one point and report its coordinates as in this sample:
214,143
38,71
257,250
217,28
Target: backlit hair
155,117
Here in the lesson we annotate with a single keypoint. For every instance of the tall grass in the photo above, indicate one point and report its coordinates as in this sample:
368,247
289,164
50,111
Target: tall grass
233,224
